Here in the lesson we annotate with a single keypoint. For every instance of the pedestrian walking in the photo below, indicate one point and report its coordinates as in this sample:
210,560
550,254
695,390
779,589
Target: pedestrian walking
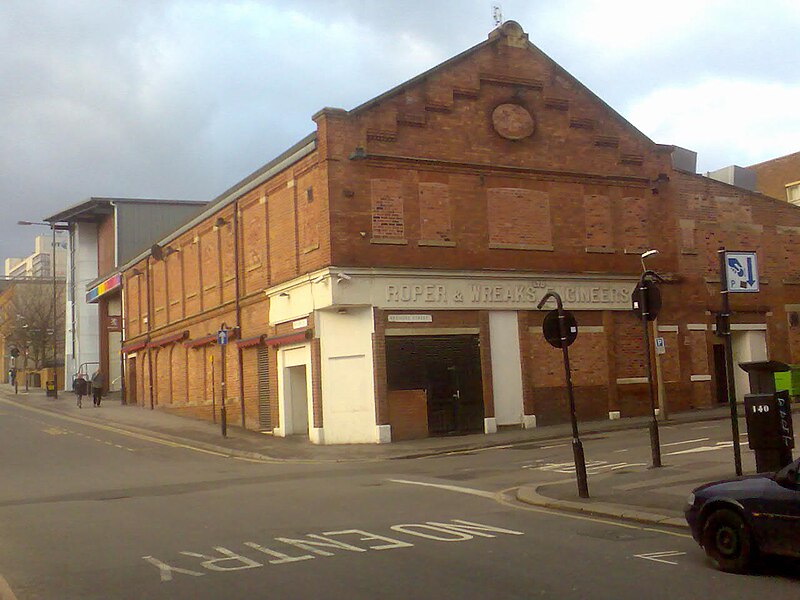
81,388
97,386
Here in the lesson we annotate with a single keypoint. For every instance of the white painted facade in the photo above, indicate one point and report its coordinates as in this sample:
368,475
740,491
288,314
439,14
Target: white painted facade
82,336
348,411
506,368
749,344
343,301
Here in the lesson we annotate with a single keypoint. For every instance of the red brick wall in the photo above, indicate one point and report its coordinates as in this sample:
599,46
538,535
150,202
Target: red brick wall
435,216
105,245
773,175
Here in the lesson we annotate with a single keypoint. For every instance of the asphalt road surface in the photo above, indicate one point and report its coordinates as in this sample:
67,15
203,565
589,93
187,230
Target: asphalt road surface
91,512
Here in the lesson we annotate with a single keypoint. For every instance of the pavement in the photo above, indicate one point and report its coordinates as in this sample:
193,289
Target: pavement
649,495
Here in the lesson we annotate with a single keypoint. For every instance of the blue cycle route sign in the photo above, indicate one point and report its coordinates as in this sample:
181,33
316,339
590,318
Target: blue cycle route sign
741,270
222,337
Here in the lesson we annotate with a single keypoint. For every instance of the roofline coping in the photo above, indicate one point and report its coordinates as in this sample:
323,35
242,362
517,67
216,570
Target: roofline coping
295,153
86,205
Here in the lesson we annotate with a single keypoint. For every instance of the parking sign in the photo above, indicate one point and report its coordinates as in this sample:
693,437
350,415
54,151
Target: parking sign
741,271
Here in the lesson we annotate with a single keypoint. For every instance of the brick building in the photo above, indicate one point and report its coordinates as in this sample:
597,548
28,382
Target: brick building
779,177
379,279
105,233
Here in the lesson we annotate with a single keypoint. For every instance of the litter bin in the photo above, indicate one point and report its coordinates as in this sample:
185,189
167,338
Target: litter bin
789,380
50,386
768,415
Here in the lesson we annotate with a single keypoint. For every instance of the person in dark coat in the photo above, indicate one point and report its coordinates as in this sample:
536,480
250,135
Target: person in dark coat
97,386
81,388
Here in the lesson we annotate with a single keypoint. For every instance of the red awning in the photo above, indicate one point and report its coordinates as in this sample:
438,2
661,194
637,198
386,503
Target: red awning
202,341
135,346
211,338
168,339
288,338
251,341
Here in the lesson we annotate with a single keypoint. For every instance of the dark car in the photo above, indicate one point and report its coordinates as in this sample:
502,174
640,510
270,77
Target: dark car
736,519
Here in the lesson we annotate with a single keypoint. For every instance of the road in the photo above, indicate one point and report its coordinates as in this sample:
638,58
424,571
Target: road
88,512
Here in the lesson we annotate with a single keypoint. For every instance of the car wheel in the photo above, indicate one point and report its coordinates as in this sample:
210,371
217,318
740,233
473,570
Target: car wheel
727,540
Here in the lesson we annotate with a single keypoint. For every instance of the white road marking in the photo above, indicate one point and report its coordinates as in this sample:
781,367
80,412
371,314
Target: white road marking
623,450
685,442
314,546
719,446
553,446
449,488
593,467
660,556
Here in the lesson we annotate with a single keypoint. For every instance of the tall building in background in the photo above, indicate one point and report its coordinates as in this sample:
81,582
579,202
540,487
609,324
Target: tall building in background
39,264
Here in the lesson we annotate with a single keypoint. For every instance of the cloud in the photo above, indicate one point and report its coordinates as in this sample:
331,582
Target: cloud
725,121
182,98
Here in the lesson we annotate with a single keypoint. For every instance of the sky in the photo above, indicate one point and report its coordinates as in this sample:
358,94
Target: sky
181,99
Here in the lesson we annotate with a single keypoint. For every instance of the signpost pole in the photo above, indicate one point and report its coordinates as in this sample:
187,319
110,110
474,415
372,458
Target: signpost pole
577,446
222,340
655,443
724,330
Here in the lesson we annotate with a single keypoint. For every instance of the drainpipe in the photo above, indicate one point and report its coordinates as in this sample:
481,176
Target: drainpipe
238,309
149,325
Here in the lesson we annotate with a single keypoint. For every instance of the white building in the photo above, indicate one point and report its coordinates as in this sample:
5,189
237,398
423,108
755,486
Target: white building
39,263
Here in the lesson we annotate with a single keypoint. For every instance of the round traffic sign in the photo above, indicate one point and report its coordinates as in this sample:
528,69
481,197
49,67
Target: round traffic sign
552,332
653,297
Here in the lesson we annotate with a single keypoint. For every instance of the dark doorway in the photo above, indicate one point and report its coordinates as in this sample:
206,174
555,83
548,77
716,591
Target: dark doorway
448,368
720,376
130,382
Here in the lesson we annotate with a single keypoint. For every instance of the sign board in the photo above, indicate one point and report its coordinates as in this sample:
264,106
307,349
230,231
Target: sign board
222,337
661,347
552,329
652,296
411,318
741,271
114,323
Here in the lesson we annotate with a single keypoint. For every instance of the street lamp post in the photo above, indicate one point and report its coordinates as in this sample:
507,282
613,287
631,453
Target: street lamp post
54,227
646,293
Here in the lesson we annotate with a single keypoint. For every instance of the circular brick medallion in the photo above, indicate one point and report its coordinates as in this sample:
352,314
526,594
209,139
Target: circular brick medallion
512,121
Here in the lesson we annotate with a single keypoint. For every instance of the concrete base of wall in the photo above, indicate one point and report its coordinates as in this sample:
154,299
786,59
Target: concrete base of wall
529,421
316,435
383,434
490,425
613,415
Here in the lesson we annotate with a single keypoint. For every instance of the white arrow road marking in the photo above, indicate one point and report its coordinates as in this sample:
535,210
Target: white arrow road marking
685,442
719,446
449,488
659,556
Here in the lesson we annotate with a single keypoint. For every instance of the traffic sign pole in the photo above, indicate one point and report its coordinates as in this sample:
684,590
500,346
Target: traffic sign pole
655,442
566,339
724,323
222,340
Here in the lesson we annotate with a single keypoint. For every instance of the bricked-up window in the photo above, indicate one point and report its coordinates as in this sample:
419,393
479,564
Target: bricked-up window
519,218
308,216
434,212
688,231
599,222
191,278
789,241
634,224
387,209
